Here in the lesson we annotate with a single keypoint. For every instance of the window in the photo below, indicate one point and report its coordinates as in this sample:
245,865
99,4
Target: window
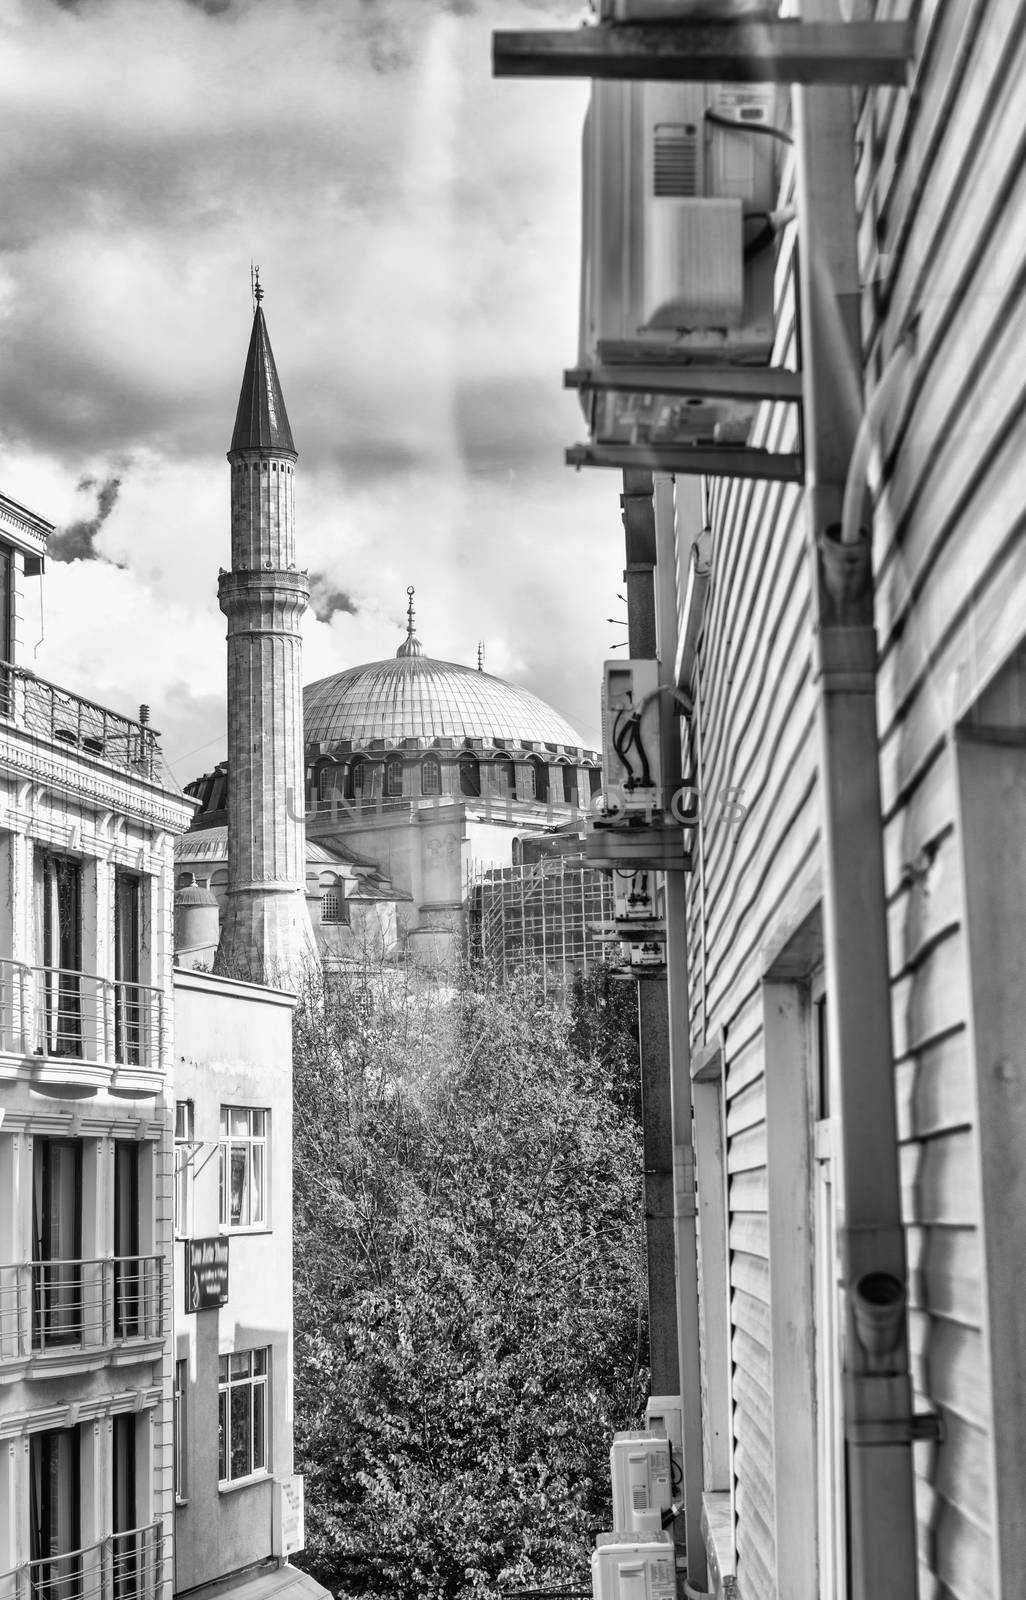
470,776
130,1013
55,1499
242,1415
394,777
243,1167
570,785
333,906
325,784
505,775
59,942
356,777
184,1144
59,1284
539,780
181,1423
431,775
130,1297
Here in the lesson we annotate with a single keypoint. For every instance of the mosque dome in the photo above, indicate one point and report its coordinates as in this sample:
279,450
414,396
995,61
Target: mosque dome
414,697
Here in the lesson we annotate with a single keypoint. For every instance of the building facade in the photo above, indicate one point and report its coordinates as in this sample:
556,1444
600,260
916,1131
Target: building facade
238,1506
89,816
845,950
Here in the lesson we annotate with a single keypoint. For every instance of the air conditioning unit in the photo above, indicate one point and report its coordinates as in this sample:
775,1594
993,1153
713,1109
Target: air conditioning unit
626,1569
642,1475
664,1417
634,898
631,762
680,180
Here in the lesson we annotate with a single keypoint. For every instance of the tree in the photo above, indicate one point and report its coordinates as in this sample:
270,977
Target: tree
469,1281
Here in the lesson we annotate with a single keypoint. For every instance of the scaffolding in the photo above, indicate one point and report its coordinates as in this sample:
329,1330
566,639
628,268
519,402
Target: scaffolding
548,913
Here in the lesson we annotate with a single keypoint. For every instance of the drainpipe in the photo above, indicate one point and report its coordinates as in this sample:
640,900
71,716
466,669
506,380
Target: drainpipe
877,1390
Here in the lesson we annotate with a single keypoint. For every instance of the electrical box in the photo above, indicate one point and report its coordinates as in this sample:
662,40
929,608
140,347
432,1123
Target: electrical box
642,1475
631,762
623,1568
679,250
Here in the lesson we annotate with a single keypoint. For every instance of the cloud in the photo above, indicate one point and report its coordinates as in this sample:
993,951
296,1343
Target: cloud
76,541
326,602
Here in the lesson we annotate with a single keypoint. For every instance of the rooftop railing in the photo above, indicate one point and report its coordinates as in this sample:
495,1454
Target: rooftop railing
48,1306
124,1566
54,1012
66,718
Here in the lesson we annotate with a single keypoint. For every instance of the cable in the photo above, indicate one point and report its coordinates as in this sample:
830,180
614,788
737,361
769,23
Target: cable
767,129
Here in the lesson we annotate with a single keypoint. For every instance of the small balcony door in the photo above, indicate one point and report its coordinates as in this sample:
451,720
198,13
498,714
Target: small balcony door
54,1515
129,1295
57,1268
129,1540
128,1017
59,912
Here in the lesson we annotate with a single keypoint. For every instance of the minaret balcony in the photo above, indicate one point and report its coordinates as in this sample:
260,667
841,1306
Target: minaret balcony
70,723
61,1029
72,1316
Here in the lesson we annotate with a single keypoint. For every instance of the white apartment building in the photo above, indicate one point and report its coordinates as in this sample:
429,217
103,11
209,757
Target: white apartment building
88,815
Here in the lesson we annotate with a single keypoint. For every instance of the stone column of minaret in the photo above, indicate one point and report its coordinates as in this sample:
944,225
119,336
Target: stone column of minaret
266,933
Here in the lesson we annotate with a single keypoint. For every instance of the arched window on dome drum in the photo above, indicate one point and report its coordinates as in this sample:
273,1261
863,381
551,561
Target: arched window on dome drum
394,777
324,784
431,775
470,776
505,775
355,777
539,780
570,785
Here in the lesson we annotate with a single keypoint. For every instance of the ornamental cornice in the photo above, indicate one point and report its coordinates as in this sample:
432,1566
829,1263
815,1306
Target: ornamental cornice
33,763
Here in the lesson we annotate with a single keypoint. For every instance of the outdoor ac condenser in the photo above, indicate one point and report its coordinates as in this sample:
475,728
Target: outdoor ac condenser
663,1416
623,1568
631,761
678,258
639,1465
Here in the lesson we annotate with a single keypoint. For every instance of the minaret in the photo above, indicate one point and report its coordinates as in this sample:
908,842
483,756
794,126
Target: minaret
266,931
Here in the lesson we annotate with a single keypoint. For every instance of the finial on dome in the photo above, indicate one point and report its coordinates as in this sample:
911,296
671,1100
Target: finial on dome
411,646
258,293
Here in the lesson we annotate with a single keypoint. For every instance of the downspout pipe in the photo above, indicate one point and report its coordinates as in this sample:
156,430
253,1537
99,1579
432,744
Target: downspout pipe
839,434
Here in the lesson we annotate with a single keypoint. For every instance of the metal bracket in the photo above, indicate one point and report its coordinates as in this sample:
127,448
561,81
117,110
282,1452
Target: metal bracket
713,383
713,461
926,1427
727,52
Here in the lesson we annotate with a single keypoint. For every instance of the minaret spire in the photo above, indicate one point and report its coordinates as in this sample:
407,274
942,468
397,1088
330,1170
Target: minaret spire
266,931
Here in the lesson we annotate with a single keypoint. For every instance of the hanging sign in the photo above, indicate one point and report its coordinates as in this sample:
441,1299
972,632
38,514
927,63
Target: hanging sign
206,1274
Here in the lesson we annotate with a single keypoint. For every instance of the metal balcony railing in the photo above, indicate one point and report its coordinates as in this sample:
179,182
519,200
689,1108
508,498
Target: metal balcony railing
54,1012
124,1566
48,1306
62,716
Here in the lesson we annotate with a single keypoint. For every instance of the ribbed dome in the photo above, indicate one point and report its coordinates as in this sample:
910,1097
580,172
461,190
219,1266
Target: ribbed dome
413,697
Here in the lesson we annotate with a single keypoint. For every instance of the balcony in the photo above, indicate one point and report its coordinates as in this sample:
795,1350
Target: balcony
124,1566
64,718
82,1311
71,1022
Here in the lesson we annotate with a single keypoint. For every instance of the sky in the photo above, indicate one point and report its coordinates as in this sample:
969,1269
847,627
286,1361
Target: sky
417,228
